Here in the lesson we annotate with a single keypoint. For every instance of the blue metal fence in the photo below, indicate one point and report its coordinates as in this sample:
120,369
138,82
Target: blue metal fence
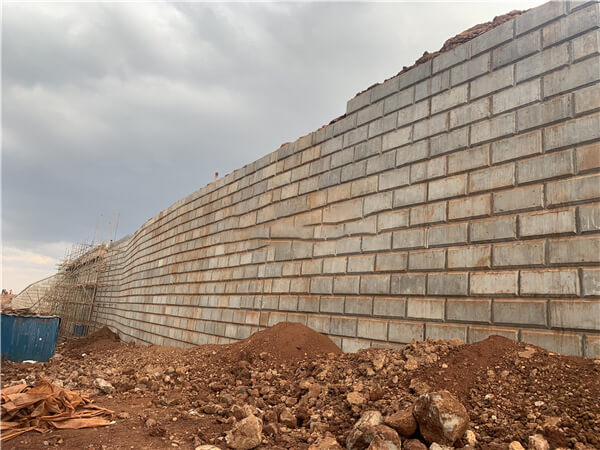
28,337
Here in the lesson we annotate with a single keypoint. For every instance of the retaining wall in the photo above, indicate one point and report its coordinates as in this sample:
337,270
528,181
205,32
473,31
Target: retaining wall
458,199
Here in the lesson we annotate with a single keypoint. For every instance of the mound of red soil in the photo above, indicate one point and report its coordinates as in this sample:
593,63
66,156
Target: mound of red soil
103,339
286,341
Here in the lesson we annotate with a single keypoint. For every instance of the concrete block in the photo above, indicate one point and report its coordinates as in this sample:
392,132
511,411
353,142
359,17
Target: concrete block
592,346
474,206
410,195
406,239
337,193
355,135
353,345
469,257
540,16
469,310
580,314
430,127
449,142
540,63
492,178
519,95
345,124
451,57
358,102
398,100
332,304
321,285
405,332
553,222
413,113
516,49
368,148
354,171
396,138
414,75
589,218
432,86
586,45
473,158
517,146
384,89
343,326
520,311
369,113
587,99
572,77
447,234
495,283
378,242
394,178
546,282
426,170
408,284
427,259
575,23
590,280
396,262
445,331
425,308
359,306
332,145
348,245
343,211
570,251
527,253
375,284
447,283
449,99
492,38
492,82
381,163
494,229
323,249
392,220
550,111
430,213
555,341
308,304
470,69
364,186
334,265
382,125
346,285
588,157
469,113
361,226
544,167
448,187
573,190
288,303
411,153
493,129
389,307
342,157
362,263
372,329
477,333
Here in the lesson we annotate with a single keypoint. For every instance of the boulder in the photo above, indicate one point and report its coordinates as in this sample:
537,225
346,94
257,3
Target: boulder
246,434
367,429
104,385
326,443
380,443
441,417
538,442
414,444
515,445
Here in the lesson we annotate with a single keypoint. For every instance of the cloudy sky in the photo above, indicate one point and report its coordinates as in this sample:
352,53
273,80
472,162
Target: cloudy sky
127,107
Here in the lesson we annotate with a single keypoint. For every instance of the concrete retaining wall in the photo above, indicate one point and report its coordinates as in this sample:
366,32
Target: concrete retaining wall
459,199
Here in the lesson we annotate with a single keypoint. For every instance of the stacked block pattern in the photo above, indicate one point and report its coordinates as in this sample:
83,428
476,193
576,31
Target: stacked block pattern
458,199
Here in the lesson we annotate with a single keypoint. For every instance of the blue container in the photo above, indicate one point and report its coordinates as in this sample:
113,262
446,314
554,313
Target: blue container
28,337
79,330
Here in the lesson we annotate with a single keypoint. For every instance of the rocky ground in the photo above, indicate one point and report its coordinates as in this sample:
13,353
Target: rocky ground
289,387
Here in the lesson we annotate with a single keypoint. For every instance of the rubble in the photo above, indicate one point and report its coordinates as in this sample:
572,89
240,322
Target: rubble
441,417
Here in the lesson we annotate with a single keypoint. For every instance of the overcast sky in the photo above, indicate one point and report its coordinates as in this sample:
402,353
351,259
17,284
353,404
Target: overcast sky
129,107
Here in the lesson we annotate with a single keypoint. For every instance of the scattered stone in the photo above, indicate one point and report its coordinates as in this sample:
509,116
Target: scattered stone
367,428
470,438
355,398
515,445
327,443
403,422
123,415
414,444
436,446
527,353
104,385
150,423
538,442
288,419
207,447
246,434
441,417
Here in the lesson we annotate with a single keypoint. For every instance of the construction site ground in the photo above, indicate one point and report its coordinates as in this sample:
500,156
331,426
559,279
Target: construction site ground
304,389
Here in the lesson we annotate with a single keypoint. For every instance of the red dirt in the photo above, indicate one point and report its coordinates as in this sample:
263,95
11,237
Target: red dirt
511,390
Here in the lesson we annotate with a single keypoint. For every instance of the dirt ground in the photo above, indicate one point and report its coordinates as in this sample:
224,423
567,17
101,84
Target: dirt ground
168,397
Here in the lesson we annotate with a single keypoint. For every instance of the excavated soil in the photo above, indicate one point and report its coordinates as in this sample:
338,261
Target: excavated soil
166,397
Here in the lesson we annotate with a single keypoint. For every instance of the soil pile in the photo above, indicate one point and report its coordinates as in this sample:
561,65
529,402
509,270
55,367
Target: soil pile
103,339
168,397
